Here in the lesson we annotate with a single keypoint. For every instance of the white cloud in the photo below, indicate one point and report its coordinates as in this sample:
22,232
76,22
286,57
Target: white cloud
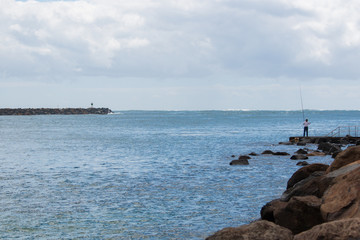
187,37
180,42
70,33
331,29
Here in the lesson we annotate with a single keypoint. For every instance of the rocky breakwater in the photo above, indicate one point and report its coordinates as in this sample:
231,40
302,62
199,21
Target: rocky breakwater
320,202
53,111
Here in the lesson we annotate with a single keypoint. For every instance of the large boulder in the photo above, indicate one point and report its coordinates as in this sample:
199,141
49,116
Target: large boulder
317,183
329,148
351,154
256,230
267,211
305,172
342,199
346,229
298,215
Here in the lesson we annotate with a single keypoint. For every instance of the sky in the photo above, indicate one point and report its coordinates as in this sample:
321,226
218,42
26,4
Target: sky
180,54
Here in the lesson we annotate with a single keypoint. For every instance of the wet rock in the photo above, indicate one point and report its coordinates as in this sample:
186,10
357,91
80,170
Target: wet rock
253,154
329,148
299,157
344,141
244,157
334,155
347,229
305,172
267,211
302,163
281,153
315,154
268,152
239,162
351,154
301,151
286,143
299,214
256,230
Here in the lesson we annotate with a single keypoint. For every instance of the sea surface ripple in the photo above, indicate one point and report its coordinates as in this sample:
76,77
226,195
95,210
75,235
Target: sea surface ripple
145,174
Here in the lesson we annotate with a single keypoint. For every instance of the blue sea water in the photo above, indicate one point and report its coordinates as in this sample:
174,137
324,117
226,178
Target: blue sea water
145,174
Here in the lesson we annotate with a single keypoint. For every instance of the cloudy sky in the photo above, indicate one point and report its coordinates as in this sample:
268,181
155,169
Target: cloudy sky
180,54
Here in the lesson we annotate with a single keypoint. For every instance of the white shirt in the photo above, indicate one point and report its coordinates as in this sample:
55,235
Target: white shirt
306,124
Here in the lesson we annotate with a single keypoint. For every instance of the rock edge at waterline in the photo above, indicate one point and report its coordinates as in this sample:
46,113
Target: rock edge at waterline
320,202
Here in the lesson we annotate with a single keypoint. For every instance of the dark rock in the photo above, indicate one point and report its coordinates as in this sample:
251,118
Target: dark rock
286,143
307,140
322,140
301,151
281,154
302,163
346,229
256,230
334,155
253,154
329,148
299,214
239,162
305,172
244,157
299,157
301,144
268,152
267,211
232,156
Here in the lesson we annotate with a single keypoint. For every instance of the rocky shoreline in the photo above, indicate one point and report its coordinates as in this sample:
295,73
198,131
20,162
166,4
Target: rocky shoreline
53,111
321,202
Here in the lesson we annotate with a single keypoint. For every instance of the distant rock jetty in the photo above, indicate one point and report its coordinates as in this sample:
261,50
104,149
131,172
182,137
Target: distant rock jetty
53,111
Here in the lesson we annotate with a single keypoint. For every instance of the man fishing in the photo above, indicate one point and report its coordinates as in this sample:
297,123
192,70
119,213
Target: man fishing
306,127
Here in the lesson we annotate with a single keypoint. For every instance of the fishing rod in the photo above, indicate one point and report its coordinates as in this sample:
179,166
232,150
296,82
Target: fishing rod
302,106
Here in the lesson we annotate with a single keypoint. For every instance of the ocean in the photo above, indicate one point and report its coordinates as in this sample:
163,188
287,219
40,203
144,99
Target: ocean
146,174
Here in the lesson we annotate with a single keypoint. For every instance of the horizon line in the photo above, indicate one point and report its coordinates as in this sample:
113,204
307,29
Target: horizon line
189,110
234,110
